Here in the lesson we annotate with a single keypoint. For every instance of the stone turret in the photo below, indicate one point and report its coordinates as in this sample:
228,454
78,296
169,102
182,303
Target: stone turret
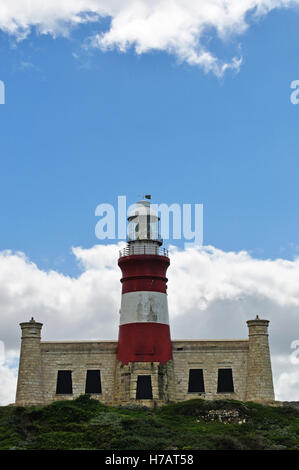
30,381
259,378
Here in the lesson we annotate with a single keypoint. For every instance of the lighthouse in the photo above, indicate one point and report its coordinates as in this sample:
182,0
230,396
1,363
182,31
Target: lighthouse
144,364
144,334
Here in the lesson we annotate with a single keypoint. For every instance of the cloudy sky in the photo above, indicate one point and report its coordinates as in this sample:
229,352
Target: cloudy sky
186,100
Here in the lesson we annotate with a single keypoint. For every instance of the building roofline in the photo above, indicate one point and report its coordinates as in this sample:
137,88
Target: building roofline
115,341
81,341
206,340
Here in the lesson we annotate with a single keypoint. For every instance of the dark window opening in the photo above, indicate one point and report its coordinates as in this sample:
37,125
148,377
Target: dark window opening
225,381
144,387
93,382
64,382
196,382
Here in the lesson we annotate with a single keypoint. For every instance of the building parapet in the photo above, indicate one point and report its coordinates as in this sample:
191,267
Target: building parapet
197,345
78,346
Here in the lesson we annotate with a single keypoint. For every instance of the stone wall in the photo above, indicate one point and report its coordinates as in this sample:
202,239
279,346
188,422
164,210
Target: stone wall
169,381
210,356
78,356
248,359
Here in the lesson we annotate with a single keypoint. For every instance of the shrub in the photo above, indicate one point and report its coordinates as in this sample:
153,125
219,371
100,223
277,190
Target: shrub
107,419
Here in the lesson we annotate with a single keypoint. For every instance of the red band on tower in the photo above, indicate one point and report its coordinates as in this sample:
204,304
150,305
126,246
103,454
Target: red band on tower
144,273
144,342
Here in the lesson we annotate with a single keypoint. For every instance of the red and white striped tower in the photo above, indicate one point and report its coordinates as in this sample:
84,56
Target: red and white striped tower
144,334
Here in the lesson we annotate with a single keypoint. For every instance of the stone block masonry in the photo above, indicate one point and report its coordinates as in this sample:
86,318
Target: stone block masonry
30,388
210,356
78,357
260,381
248,359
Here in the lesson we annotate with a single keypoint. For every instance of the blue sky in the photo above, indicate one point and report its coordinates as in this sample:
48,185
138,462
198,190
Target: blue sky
80,127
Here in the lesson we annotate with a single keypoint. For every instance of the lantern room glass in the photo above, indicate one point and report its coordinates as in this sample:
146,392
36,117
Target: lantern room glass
143,227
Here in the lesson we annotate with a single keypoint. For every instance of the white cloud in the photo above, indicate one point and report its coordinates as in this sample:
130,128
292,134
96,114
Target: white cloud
8,379
180,27
211,295
8,375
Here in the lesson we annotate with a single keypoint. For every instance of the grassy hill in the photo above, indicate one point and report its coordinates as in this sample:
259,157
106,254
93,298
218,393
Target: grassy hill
196,424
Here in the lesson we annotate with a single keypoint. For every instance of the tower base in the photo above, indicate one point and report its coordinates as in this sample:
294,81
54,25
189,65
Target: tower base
144,383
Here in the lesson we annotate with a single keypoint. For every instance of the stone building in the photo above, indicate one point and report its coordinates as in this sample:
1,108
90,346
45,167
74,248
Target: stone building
144,366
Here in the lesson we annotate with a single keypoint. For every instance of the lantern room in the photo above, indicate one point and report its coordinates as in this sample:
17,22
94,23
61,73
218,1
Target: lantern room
143,223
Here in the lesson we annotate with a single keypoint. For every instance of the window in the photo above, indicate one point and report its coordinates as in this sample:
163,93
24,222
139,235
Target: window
144,387
93,382
196,382
64,382
225,381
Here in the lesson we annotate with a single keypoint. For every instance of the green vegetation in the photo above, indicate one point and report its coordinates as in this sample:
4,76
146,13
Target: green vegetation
196,424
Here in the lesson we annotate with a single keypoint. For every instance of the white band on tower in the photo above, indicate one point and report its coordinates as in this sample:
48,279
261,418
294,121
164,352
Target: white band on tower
144,306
